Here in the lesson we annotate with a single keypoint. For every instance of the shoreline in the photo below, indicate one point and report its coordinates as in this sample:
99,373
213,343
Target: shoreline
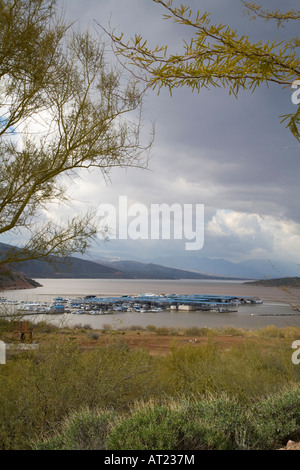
276,308
105,288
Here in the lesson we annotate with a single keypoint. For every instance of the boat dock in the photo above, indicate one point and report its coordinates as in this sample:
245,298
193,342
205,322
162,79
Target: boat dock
94,305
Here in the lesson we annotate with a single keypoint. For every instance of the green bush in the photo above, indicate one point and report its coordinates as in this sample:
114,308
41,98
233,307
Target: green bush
224,421
216,424
85,430
151,328
271,331
196,331
39,390
248,371
162,331
136,328
93,335
153,427
277,419
232,331
247,408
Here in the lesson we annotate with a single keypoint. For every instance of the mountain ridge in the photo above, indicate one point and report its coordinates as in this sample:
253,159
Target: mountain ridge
82,268
13,281
140,270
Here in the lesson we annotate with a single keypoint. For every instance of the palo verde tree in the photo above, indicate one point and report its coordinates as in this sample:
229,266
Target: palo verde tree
62,110
217,56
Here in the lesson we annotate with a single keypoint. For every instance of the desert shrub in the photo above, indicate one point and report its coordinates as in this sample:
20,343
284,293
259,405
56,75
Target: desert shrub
151,328
37,392
174,331
83,430
291,332
271,331
6,325
288,332
93,335
136,328
39,389
193,331
248,371
162,331
153,427
231,331
206,425
266,425
277,419
187,370
44,326
218,422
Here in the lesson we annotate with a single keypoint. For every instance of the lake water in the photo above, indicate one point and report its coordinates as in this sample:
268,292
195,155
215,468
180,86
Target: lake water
276,308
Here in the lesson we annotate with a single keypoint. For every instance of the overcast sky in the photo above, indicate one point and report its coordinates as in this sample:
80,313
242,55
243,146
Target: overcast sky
231,155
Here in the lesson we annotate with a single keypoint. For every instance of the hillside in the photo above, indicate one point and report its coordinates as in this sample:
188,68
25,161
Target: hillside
10,280
79,268
279,282
139,270
71,268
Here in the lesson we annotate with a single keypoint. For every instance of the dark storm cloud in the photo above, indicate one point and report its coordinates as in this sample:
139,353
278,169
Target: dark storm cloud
211,148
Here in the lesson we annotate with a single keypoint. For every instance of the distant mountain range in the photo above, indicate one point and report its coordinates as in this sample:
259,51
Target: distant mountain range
72,268
184,266
209,267
80,268
249,269
138,270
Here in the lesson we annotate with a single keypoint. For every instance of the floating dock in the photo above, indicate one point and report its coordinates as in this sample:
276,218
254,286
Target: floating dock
91,304
153,302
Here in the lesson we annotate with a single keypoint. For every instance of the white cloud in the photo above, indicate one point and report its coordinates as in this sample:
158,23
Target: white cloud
252,235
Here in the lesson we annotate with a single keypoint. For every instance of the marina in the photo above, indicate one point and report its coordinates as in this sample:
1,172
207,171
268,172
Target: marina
93,305
127,303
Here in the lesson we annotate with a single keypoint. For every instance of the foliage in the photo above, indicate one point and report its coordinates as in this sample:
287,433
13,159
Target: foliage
203,396
39,389
154,427
63,111
248,371
83,430
214,423
205,425
216,56
277,419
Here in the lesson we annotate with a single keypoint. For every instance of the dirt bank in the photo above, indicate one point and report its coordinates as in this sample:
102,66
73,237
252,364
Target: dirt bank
14,281
161,344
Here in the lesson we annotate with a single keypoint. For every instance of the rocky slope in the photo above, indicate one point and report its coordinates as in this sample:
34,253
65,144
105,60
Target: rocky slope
10,280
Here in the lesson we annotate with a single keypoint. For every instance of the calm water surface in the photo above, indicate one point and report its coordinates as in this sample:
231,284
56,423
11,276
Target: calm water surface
276,309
